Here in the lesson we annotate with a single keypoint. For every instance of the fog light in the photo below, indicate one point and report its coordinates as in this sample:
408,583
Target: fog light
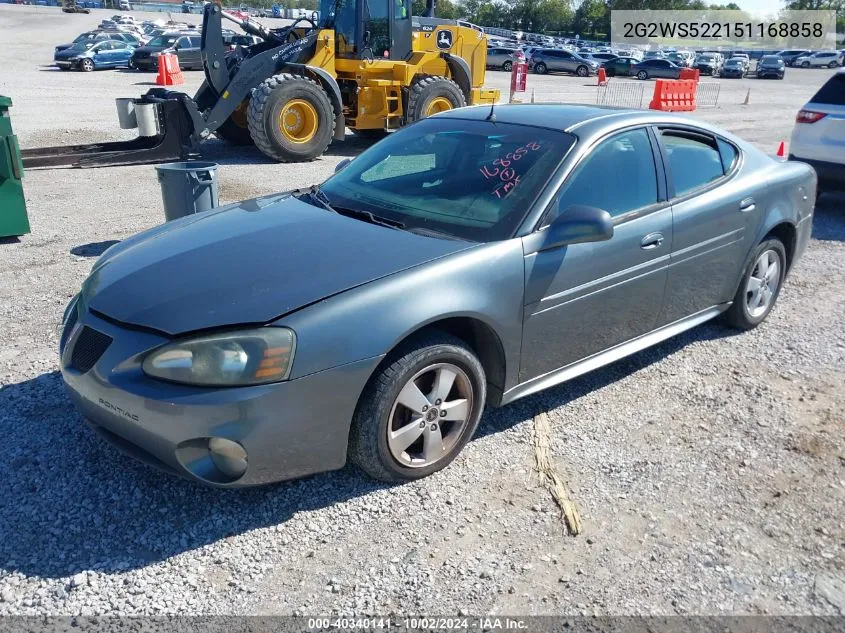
229,457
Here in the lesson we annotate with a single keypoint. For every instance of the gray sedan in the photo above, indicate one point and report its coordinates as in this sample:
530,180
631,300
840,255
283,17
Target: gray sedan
656,69
468,260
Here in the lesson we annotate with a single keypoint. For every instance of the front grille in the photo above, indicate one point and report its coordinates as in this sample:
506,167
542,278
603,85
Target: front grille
68,327
89,346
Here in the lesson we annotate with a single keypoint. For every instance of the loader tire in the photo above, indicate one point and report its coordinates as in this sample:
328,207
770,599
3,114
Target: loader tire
291,118
430,95
235,129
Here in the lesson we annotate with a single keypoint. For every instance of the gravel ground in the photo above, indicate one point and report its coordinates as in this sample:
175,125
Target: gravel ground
709,471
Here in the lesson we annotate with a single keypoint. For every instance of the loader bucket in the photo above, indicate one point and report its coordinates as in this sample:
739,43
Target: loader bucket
165,135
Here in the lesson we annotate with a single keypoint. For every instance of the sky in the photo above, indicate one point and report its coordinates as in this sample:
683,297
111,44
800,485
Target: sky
765,6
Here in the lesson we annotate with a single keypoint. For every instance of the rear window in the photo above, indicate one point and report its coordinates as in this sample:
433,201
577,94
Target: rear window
833,92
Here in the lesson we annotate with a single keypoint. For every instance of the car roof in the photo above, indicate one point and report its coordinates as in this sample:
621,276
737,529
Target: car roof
568,117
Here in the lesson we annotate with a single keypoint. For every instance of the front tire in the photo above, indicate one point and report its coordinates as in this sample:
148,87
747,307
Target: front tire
86,65
759,287
832,65
419,409
507,66
431,94
582,71
540,68
291,118
805,65
235,129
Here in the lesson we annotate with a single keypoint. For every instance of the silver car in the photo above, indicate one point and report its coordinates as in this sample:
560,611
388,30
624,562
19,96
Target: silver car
463,262
545,60
500,57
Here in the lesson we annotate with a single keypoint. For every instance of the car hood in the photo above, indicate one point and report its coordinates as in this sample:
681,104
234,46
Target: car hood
62,47
247,263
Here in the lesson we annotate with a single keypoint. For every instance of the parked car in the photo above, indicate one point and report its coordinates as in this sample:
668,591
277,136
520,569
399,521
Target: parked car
88,56
684,59
500,57
546,60
819,134
600,58
97,36
653,55
735,67
72,7
186,48
708,64
239,39
789,56
771,66
821,59
620,66
526,273
656,69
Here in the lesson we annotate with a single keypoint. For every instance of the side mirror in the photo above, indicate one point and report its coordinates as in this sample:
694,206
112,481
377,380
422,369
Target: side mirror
576,225
342,164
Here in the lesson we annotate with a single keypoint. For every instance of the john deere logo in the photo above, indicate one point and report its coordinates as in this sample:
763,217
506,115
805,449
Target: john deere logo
444,39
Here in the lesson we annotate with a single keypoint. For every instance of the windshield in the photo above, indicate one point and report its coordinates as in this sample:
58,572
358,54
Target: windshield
473,180
706,58
771,59
163,41
82,46
734,62
85,36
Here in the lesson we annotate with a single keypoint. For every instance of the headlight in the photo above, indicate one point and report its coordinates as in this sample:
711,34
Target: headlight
233,359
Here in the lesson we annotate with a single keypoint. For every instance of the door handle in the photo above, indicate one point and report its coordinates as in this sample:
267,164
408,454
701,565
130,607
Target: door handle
652,240
747,205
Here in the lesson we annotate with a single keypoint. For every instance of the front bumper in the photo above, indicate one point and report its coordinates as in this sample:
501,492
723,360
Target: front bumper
763,73
830,175
288,429
145,63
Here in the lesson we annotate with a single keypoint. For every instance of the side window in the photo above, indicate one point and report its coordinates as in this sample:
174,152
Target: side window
183,42
694,160
729,155
624,159
377,25
195,42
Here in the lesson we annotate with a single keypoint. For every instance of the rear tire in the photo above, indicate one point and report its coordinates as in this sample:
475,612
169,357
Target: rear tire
373,443
749,309
642,75
430,95
291,118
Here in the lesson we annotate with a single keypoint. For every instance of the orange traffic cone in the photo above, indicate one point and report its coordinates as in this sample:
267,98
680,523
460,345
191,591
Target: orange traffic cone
602,77
782,150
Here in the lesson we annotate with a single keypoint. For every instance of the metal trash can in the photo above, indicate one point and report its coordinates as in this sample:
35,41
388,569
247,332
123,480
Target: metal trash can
187,188
13,218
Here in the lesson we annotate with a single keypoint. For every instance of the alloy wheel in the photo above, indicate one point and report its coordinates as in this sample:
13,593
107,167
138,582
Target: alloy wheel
429,415
762,284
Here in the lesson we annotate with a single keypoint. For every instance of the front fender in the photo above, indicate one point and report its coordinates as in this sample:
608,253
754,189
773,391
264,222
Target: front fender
485,282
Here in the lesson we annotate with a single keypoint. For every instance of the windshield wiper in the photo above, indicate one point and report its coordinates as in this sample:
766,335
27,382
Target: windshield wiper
319,196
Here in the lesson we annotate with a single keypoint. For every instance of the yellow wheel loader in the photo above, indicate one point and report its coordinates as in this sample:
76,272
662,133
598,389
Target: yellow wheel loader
366,64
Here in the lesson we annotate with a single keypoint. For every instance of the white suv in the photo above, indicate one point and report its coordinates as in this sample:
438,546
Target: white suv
822,59
819,134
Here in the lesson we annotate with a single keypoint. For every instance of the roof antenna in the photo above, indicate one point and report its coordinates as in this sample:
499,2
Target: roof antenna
492,115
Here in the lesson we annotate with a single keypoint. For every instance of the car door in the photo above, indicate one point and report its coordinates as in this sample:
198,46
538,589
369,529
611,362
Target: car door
563,61
711,206
582,299
182,47
100,54
122,53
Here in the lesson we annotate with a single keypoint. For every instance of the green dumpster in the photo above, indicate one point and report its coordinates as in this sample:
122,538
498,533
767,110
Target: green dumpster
13,220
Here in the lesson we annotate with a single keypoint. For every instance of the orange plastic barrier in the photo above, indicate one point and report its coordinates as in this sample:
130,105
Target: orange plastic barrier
674,95
169,73
690,73
602,77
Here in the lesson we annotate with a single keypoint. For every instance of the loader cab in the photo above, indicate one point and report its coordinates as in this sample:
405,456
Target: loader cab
369,28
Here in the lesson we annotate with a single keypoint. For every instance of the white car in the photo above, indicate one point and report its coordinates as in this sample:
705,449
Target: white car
822,59
819,134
